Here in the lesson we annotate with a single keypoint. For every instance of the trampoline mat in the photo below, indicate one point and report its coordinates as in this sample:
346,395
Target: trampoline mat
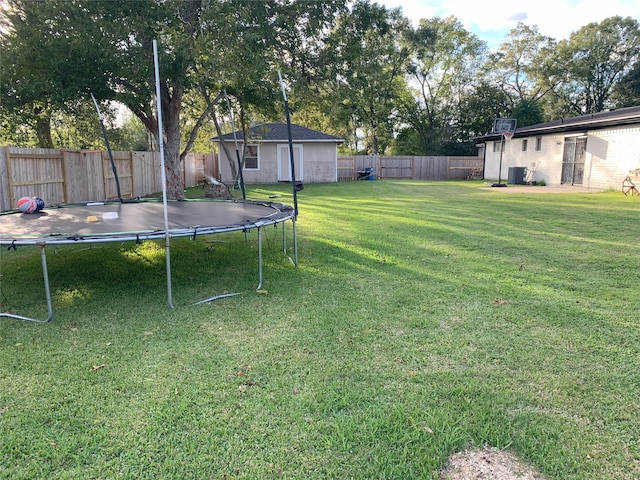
104,220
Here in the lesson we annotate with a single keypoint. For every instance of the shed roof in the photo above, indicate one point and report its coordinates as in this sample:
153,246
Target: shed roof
277,132
583,123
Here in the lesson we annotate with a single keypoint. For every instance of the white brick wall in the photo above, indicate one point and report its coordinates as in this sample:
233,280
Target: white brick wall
611,153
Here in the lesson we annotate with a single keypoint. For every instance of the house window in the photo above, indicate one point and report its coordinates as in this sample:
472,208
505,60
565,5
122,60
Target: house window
251,158
538,144
497,146
524,145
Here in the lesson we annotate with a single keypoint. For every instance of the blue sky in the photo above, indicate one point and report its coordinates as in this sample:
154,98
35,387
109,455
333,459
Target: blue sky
491,21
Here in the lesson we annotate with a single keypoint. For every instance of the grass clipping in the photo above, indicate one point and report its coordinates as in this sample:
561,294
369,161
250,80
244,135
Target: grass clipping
487,463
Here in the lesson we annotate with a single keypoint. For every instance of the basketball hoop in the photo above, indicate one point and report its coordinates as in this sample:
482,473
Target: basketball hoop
506,127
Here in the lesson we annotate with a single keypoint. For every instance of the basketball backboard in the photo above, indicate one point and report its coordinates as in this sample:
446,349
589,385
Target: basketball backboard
502,125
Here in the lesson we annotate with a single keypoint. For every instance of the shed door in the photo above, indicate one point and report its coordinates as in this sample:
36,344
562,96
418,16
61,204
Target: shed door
575,150
284,163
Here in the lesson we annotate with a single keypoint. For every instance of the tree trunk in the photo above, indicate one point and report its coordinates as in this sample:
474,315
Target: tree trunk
173,168
43,131
171,105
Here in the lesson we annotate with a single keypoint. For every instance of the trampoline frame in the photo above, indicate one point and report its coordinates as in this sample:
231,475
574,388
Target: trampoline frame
281,214
285,213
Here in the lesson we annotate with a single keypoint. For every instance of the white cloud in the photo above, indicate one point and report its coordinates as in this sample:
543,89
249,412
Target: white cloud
519,17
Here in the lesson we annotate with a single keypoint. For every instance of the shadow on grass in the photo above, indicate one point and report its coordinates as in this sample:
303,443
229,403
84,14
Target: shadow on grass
421,319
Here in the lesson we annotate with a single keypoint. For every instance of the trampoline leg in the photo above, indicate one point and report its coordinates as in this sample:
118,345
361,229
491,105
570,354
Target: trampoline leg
47,290
295,243
294,261
167,255
259,258
45,274
284,237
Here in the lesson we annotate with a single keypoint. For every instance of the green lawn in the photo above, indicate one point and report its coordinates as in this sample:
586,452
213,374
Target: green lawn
423,318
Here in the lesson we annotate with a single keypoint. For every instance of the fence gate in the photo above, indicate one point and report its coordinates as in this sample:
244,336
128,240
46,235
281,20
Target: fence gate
396,167
346,168
575,149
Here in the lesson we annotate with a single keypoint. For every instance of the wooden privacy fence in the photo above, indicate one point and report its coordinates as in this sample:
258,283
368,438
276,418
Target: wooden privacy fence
69,176
417,168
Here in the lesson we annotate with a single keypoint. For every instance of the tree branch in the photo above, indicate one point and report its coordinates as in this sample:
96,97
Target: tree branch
207,112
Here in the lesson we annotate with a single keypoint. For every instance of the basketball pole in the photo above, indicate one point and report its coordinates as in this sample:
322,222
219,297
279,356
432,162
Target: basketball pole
501,152
506,127
167,241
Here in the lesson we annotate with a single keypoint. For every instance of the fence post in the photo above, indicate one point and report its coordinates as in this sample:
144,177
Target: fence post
65,176
7,157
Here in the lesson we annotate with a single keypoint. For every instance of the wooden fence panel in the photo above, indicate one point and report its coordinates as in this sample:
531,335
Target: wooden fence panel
464,168
346,168
431,168
146,173
211,166
76,175
198,166
70,176
37,170
124,168
418,168
95,177
190,164
368,161
350,165
396,167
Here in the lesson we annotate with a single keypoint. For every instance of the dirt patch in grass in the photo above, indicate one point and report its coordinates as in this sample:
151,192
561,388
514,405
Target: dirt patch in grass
487,464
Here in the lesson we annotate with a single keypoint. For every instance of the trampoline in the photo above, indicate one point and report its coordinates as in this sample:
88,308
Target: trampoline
101,222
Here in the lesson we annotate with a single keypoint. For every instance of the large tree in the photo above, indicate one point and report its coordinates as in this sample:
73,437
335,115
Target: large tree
527,68
445,63
46,64
365,71
205,47
246,43
597,57
64,50
626,93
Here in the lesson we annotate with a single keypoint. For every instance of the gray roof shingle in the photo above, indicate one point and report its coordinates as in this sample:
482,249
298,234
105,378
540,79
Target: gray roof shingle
277,132
611,118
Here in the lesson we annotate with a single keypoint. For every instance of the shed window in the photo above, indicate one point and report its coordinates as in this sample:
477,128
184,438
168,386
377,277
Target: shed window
538,144
497,146
251,158
524,145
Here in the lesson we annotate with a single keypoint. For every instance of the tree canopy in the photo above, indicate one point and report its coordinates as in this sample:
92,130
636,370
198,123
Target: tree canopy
598,57
355,69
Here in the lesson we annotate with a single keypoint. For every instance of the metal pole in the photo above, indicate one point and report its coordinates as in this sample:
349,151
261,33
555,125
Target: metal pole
500,167
106,141
295,243
259,258
45,274
167,241
235,140
293,166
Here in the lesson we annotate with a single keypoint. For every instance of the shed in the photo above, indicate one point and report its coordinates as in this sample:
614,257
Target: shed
593,151
267,154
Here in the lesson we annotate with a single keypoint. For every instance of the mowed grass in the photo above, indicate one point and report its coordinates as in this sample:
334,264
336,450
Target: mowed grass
424,318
